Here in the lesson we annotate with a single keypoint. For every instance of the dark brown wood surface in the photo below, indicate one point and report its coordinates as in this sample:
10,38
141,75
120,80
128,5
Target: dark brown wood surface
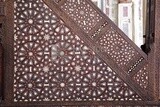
91,44
154,58
1,65
2,5
155,54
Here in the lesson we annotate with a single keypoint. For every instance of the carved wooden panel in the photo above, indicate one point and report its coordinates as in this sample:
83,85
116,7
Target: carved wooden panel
122,52
154,56
142,77
82,13
109,42
119,49
52,63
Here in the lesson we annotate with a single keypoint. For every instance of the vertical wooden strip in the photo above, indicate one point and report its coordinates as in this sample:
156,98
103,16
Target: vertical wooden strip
2,12
8,51
1,68
155,56
1,49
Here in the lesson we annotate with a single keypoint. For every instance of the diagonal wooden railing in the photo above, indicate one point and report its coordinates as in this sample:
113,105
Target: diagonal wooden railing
104,38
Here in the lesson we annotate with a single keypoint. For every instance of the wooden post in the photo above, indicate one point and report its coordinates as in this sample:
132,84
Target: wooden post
157,50
1,68
154,56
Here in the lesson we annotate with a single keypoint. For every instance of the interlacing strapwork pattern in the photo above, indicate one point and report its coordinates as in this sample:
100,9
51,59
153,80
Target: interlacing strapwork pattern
51,63
82,13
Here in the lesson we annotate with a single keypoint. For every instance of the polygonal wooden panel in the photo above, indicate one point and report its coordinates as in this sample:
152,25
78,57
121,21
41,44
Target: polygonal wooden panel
123,56
89,20
52,63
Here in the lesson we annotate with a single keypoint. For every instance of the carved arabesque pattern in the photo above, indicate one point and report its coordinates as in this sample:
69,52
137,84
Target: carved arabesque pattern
82,13
53,64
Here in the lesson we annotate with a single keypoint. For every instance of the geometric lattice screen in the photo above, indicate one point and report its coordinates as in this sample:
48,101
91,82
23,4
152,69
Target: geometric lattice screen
53,61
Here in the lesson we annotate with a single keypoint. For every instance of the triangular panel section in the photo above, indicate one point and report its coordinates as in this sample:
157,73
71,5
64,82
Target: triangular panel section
141,77
103,37
53,64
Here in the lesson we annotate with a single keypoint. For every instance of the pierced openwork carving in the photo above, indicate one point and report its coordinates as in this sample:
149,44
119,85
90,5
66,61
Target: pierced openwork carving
82,13
111,42
53,64
142,77
62,53
30,53
119,49
29,86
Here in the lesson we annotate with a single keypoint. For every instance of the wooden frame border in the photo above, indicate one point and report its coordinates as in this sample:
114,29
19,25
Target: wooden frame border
8,52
